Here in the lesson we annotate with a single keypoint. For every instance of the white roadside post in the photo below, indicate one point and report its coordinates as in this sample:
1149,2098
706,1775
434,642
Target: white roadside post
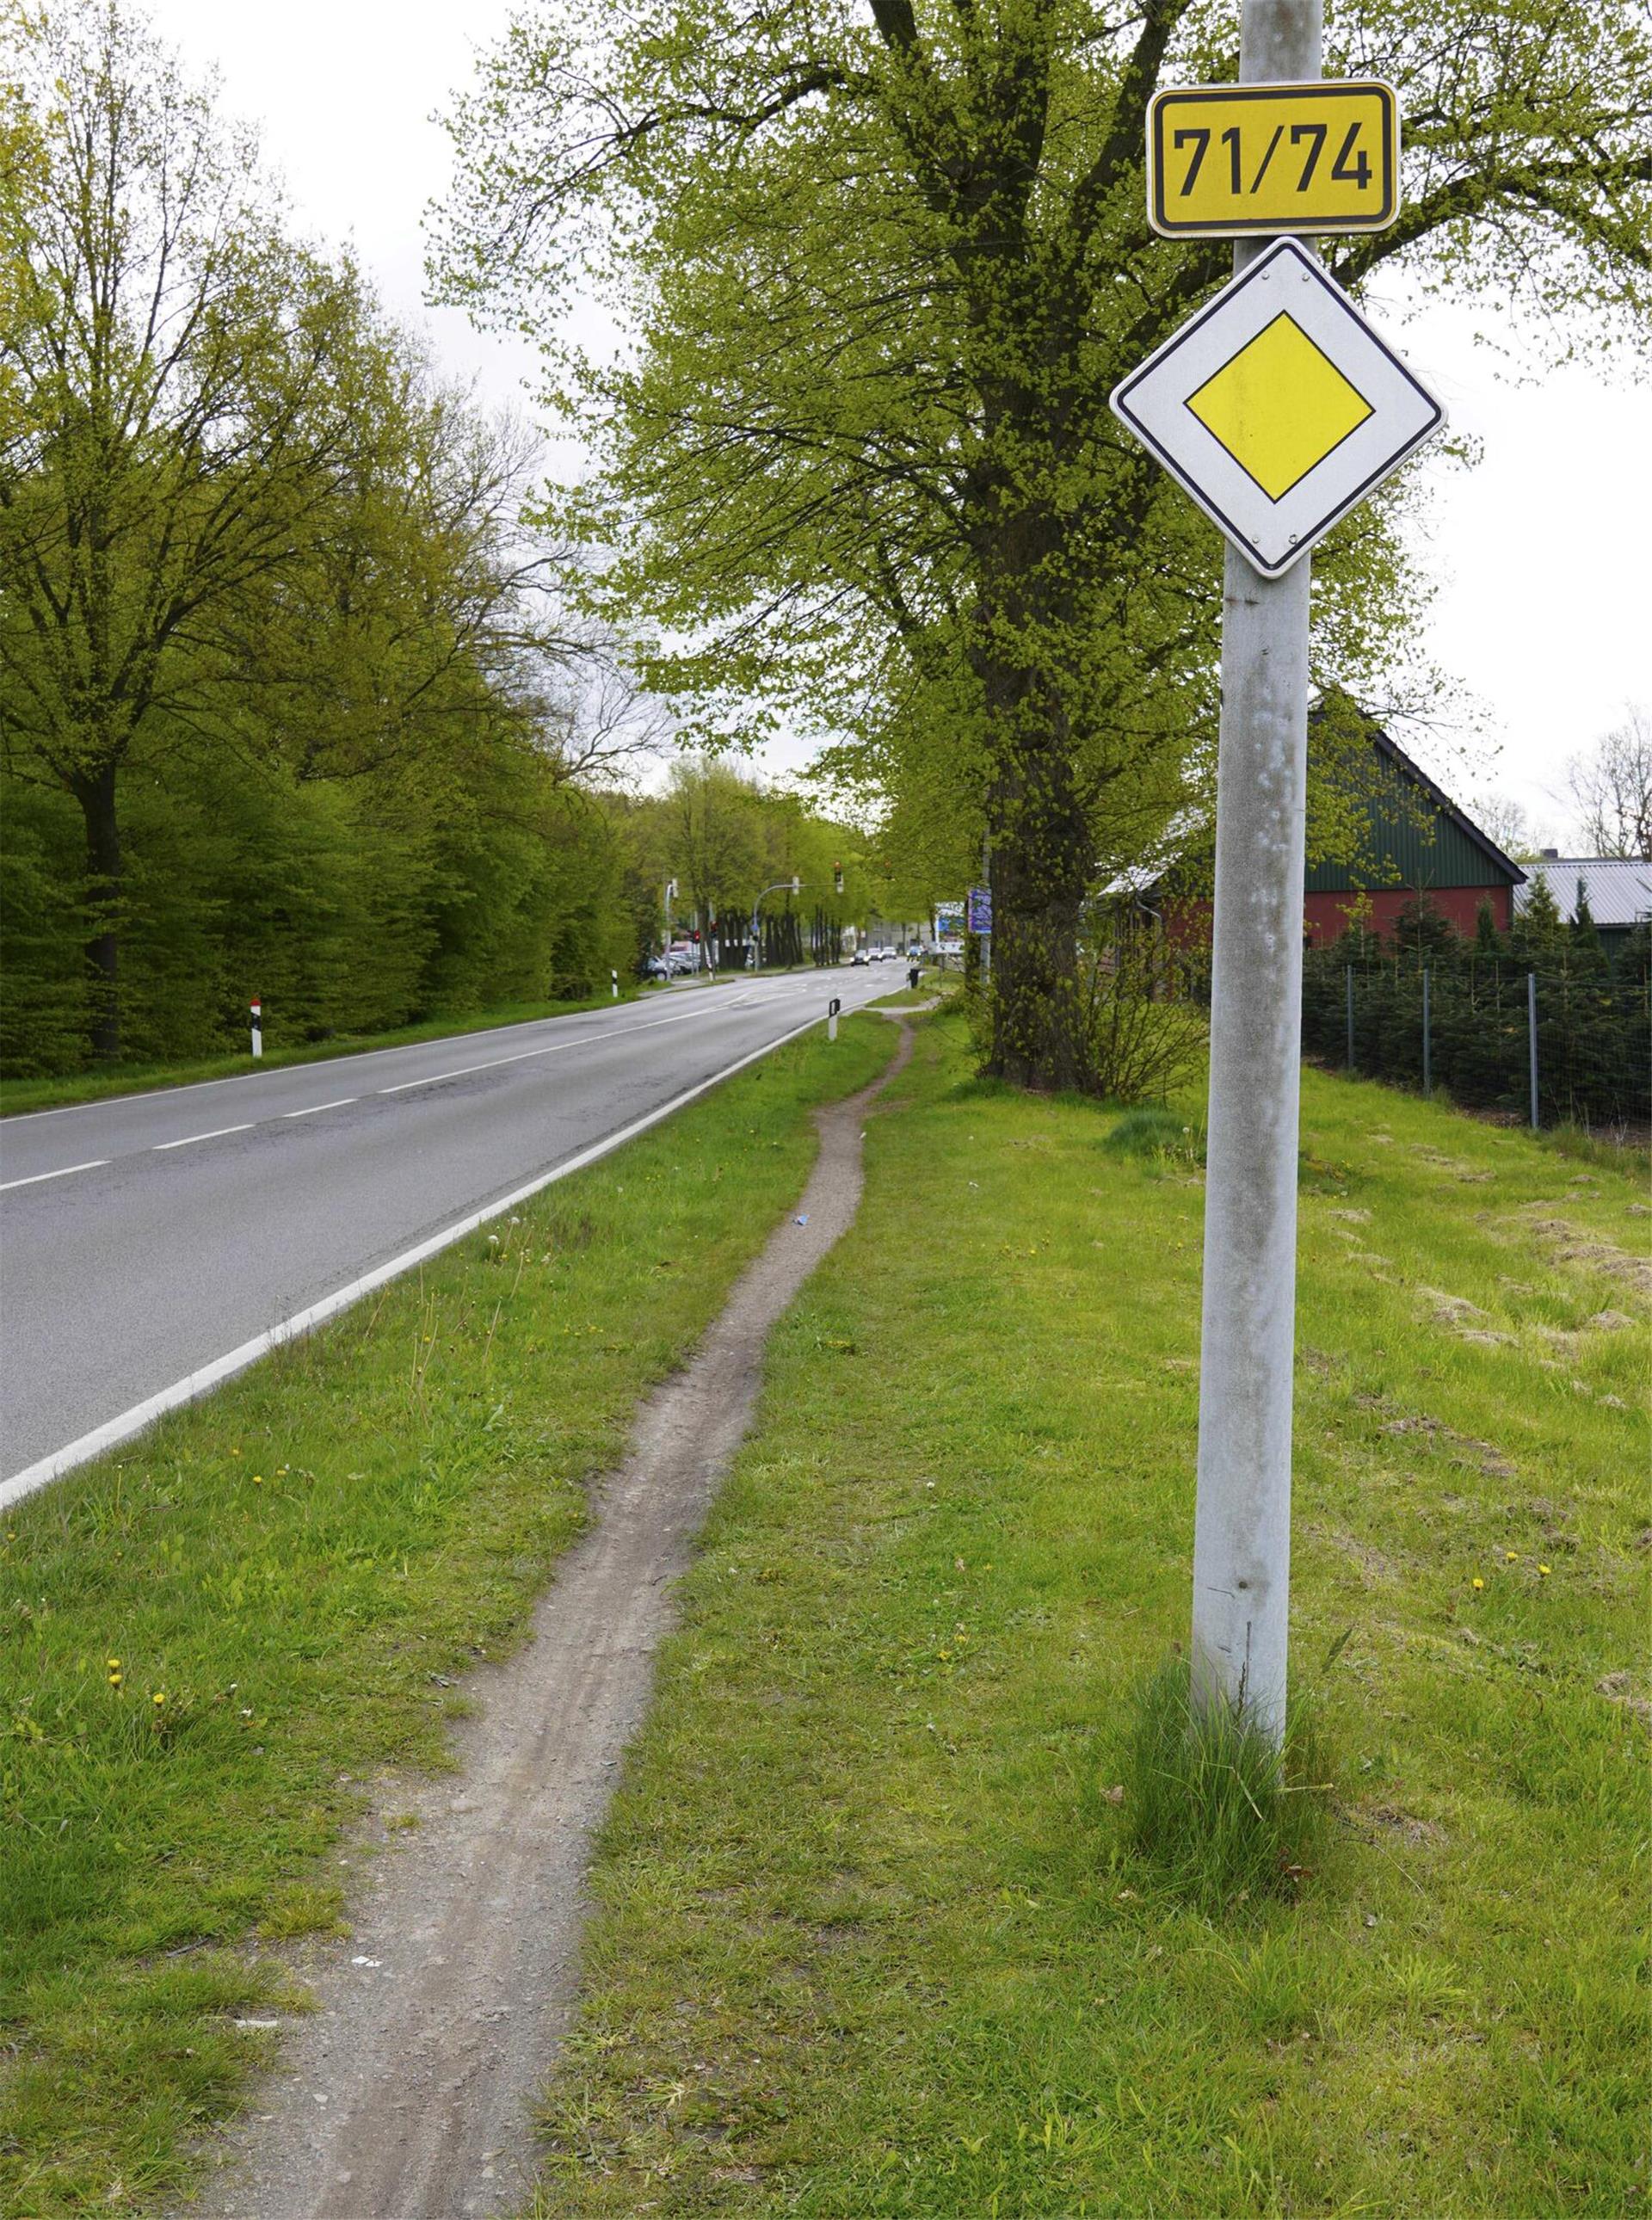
833,1008
614,978
257,1026
1278,408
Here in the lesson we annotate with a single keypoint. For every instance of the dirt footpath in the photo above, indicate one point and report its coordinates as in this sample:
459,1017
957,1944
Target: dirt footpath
408,2095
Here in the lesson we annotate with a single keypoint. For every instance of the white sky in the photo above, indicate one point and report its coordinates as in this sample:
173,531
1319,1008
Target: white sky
1544,553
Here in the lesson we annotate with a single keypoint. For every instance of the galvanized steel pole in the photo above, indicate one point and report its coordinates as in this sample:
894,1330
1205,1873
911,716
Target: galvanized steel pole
1350,1017
1532,1040
1242,1537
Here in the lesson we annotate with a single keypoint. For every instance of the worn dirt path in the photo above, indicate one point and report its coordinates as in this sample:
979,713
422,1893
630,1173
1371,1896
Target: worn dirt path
408,2095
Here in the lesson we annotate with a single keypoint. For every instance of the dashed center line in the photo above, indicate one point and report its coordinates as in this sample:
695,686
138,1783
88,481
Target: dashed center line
316,1107
553,1048
189,1139
95,1164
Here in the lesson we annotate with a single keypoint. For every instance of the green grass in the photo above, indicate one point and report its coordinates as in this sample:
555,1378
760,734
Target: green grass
873,1938
20,1096
1226,1817
303,1569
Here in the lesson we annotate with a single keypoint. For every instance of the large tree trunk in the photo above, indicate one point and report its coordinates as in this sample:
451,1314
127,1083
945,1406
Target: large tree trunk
95,794
1041,866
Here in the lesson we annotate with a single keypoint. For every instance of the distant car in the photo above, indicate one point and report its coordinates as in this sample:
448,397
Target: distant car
860,957
655,967
886,955
683,960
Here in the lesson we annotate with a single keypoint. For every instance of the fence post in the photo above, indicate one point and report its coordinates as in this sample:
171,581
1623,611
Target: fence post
1427,1087
1350,1017
1532,1039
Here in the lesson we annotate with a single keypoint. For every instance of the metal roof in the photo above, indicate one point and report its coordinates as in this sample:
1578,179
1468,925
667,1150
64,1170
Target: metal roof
1618,889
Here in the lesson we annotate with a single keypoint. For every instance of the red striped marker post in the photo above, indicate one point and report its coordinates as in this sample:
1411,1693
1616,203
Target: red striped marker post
257,1025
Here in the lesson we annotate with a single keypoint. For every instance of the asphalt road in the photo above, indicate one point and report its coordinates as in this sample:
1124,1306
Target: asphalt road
143,1238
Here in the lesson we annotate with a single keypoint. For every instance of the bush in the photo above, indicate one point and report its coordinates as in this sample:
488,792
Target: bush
1144,1039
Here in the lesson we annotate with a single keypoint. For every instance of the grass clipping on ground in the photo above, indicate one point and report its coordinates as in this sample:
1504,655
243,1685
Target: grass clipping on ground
210,1640
873,1936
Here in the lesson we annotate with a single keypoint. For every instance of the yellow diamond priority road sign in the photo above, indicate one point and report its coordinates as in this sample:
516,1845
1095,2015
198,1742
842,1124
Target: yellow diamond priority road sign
1225,160
1278,407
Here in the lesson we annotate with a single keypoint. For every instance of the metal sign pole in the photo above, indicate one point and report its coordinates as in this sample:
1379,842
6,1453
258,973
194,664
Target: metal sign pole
1241,1523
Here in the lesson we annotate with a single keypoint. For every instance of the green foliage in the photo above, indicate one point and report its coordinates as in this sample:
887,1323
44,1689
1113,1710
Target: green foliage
281,711
1594,1022
1226,1817
858,470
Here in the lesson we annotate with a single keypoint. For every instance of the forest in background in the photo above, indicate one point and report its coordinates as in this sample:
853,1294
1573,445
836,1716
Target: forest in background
293,703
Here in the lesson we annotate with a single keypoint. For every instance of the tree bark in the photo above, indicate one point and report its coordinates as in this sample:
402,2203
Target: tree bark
1040,871
95,794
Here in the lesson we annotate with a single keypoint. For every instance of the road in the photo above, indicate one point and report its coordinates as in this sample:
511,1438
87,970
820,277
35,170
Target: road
145,1239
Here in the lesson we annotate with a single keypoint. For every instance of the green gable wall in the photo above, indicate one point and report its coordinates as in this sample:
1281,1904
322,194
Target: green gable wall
1410,842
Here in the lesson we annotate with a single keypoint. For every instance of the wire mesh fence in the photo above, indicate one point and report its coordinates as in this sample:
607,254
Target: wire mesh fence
1554,1038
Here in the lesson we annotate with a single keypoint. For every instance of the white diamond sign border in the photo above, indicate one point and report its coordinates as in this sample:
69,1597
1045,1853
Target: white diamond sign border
1273,535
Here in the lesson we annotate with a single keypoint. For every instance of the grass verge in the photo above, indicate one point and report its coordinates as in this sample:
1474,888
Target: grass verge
872,1937
210,1638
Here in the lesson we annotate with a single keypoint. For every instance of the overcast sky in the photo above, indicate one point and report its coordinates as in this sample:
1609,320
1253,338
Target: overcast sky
1544,553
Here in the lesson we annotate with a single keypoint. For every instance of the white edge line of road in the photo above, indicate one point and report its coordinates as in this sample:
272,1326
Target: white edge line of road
94,1164
196,1384
309,1063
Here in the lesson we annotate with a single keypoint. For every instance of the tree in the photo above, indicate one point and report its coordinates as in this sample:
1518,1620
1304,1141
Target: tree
1612,790
177,381
1540,933
1508,822
884,274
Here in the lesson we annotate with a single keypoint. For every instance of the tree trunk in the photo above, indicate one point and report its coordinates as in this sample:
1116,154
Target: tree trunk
95,794
1041,864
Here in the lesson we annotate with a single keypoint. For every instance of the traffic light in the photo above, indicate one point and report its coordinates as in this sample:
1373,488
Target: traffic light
837,878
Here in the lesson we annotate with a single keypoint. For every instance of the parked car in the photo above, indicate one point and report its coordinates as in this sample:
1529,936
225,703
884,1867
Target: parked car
655,967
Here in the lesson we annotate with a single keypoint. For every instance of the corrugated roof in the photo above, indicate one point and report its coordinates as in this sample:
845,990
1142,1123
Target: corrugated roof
1618,891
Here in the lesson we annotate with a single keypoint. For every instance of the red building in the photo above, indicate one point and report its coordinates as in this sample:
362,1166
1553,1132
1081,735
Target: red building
1415,840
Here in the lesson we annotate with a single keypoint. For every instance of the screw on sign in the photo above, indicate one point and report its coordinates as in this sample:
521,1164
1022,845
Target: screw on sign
1278,407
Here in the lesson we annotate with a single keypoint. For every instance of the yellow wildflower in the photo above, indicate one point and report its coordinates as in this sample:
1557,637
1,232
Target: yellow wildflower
1479,1584
1542,1572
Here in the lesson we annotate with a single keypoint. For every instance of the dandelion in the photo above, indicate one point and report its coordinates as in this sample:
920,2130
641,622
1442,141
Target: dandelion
1542,1572
1479,1584
1510,1556
159,1699
257,1480
235,1452
113,1669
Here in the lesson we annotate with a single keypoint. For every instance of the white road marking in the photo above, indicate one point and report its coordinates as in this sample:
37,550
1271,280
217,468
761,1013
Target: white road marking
315,1107
552,1048
238,1078
189,1139
196,1384
34,1178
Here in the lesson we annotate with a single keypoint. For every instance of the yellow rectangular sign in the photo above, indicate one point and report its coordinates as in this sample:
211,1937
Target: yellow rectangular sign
1227,159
